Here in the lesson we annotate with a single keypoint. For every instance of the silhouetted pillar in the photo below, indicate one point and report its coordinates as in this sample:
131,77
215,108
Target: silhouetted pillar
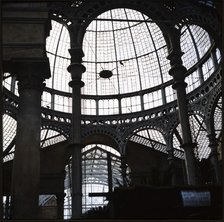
213,144
1,132
76,69
109,173
171,173
60,205
30,74
178,72
110,185
124,169
172,167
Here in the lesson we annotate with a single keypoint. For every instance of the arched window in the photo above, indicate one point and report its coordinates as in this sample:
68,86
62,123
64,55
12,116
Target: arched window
96,158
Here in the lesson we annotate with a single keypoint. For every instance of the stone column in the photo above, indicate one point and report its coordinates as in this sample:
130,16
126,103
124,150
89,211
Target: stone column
178,72
124,170
30,74
76,69
213,144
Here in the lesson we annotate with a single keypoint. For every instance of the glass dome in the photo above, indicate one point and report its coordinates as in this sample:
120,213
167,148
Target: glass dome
131,46
126,64
123,41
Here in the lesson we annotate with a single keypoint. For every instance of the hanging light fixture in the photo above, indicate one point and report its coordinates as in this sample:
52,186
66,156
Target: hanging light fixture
106,74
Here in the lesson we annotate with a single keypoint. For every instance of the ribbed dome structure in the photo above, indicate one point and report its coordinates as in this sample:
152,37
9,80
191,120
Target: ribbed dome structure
129,44
126,63
127,69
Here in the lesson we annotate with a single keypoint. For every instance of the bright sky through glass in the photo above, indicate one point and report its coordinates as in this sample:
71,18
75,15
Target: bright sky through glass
135,52
131,46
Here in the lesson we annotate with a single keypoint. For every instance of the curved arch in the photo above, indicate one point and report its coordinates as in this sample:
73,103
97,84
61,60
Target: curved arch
98,7
152,129
55,127
189,15
192,44
101,138
92,134
134,135
50,137
96,159
163,124
210,107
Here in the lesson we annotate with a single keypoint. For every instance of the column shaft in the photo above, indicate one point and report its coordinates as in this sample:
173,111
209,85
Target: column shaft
178,72
76,181
186,134
26,166
76,69
110,185
76,153
109,173
124,170
188,145
26,163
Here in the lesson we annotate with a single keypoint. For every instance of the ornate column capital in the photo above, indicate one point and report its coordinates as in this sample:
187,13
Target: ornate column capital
31,73
76,68
177,70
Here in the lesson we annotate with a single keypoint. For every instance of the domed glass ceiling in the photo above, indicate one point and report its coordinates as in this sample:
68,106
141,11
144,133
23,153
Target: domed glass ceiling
130,45
123,41
126,64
